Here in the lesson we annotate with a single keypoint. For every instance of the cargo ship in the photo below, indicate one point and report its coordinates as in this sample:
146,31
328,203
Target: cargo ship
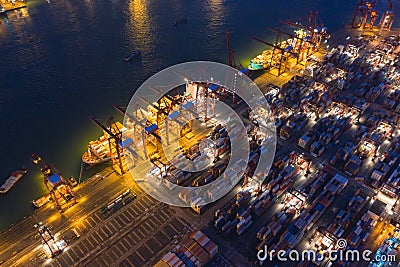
300,44
261,61
98,151
12,180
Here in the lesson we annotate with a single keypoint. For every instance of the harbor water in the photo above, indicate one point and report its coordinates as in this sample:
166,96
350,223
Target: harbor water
61,62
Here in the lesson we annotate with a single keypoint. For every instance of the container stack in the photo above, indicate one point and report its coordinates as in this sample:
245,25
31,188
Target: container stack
194,251
244,222
362,229
342,220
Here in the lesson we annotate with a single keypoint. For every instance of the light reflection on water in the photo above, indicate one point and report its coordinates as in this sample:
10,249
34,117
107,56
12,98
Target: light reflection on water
140,28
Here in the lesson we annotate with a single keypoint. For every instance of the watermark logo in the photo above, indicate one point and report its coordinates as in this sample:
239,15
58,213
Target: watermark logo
194,91
340,253
341,243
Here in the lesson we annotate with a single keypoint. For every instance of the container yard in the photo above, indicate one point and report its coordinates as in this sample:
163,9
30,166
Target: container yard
195,250
347,134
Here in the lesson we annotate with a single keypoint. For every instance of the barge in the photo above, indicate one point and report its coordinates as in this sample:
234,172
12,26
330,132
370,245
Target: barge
12,180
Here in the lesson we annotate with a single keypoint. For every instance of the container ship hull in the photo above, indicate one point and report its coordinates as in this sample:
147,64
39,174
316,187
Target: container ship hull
99,151
96,153
261,61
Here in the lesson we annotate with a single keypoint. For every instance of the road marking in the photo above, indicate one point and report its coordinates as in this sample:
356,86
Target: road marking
85,225
147,246
97,237
127,216
78,251
59,260
119,221
101,232
108,257
164,233
83,244
136,235
92,221
133,211
90,241
102,261
111,228
122,248
157,218
144,229
156,239
145,203
141,206
152,223
130,240
98,218
112,252
173,227
140,256
115,224
166,215
126,244
130,262
70,257
149,227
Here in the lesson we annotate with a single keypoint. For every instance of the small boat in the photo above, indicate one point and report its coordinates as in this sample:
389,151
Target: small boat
12,180
135,54
38,203
178,22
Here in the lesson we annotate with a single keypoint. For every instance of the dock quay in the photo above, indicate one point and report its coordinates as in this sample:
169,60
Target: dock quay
8,6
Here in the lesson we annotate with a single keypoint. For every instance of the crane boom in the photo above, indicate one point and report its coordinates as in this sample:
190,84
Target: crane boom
123,111
103,127
290,35
272,45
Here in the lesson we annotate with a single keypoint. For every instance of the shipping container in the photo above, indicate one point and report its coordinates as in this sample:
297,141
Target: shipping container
200,253
305,141
211,248
242,229
161,263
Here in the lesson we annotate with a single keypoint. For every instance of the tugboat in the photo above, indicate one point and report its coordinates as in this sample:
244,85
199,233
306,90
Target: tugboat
178,22
12,180
135,54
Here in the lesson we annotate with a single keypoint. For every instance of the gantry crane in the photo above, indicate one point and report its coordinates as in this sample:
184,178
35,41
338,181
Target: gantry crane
142,131
231,54
312,28
162,110
298,47
114,135
364,15
387,18
60,191
278,63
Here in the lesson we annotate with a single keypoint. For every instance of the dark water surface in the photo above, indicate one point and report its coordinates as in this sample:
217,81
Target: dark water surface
62,62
